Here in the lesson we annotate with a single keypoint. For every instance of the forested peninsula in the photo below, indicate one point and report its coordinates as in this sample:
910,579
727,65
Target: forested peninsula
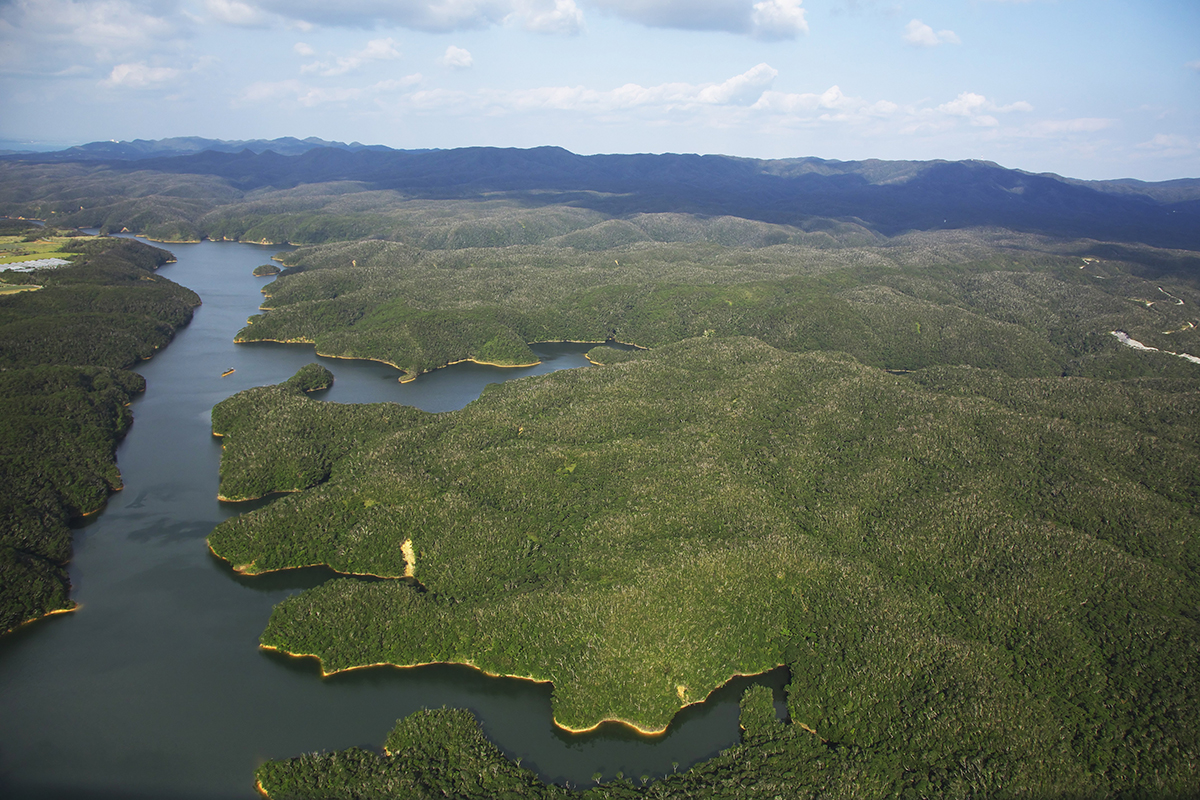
65,347
926,477
925,433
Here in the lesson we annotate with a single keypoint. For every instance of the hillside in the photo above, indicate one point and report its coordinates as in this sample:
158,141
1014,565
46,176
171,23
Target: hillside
920,471
64,394
177,192
925,433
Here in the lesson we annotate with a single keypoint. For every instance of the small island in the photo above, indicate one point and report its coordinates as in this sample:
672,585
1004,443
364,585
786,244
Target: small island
266,270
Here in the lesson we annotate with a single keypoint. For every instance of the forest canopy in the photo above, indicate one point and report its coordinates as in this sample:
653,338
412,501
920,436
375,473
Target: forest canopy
63,395
925,433
946,477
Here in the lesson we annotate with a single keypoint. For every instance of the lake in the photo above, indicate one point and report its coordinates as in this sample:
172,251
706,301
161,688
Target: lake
156,686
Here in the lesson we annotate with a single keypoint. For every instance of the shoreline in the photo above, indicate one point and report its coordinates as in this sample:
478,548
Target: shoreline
649,732
408,376
75,606
242,569
222,498
589,341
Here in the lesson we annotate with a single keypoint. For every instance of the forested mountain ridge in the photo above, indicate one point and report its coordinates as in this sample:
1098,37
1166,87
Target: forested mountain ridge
186,145
63,398
885,197
922,471
925,432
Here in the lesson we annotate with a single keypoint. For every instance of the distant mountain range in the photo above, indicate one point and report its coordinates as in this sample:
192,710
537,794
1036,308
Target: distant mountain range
187,145
888,196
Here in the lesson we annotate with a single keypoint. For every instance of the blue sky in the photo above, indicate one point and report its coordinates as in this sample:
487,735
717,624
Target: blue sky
1084,88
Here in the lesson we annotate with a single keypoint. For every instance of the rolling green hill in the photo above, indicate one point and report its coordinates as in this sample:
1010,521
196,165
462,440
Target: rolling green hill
299,198
924,472
923,432
948,576
63,398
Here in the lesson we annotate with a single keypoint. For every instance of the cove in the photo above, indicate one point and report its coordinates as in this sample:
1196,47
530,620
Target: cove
156,686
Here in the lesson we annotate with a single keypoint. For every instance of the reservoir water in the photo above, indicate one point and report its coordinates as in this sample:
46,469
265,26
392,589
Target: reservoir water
156,687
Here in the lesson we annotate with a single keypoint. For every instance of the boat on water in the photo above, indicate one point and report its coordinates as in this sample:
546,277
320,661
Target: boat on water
228,372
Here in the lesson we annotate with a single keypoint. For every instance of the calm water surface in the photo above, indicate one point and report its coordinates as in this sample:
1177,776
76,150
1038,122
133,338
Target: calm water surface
156,687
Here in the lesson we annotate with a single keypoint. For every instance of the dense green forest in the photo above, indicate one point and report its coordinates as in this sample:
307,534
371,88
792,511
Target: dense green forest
1022,305
968,591
63,397
334,193
922,471
441,753
925,433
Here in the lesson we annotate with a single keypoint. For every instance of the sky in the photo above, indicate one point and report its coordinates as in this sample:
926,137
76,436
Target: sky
1093,89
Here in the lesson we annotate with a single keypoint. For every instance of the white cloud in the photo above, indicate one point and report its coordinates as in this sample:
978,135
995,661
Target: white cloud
778,19
766,19
970,106
741,90
140,76
1055,127
919,34
745,100
1170,145
965,105
297,93
304,49
380,50
234,12
437,16
735,95
1194,65
456,58
58,32
142,19
375,50
828,105
548,16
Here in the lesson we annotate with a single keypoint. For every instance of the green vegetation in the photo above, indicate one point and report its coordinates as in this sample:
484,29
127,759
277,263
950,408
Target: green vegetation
1020,305
61,426
921,473
913,465
63,400
266,270
449,198
940,570
429,754
22,240
442,753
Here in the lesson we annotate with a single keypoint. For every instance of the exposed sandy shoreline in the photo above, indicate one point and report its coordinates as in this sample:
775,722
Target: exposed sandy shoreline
245,569
406,376
641,730
74,607
225,499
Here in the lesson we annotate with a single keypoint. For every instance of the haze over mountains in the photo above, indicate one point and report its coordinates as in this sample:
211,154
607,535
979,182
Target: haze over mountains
187,145
889,197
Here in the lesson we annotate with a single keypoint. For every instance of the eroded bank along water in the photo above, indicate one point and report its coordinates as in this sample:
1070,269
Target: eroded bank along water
156,687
